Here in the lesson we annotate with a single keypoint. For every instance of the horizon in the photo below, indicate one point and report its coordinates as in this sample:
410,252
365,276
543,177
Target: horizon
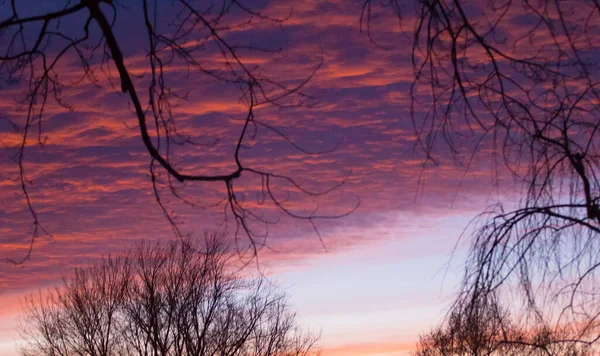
372,264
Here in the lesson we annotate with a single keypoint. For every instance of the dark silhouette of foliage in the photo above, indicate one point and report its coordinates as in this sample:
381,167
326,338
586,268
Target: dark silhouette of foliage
176,298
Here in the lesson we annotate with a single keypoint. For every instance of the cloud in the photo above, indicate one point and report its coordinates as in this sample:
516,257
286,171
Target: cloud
90,183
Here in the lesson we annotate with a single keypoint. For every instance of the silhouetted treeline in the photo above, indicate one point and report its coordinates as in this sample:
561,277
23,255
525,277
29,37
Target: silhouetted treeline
176,298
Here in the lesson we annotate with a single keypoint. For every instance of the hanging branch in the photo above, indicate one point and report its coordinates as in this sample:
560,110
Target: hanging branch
192,27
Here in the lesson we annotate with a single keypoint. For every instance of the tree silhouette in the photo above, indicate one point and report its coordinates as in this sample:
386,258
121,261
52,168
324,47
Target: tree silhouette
518,80
478,330
487,329
36,42
177,298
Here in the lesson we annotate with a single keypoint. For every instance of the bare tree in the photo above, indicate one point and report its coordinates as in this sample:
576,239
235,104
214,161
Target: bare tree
178,298
477,330
487,329
36,43
518,80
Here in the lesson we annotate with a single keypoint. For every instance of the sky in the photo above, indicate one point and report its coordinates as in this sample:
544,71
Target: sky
372,283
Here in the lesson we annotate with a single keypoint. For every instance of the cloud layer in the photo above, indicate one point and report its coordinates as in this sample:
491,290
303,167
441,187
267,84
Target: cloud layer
90,184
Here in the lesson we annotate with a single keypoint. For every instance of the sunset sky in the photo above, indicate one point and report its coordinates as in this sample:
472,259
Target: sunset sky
380,276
